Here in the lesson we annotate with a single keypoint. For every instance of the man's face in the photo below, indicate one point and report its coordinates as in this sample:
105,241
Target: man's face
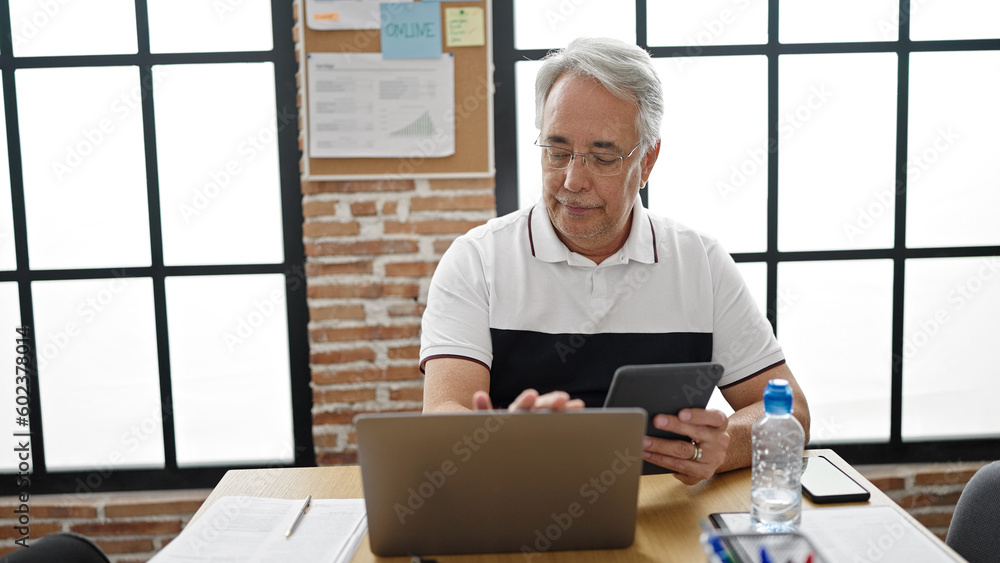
592,214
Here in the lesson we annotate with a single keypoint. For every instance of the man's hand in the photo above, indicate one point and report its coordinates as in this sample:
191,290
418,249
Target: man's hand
707,428
530,400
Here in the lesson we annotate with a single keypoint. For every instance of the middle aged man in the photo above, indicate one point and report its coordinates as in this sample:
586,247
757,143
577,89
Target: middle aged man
537,309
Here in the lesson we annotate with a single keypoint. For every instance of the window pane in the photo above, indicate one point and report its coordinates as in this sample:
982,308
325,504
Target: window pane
8,257
62,28
841,21
952,195
220,193
835,324
230,372
84,167
98,374
529,163
755,276
197,26
954,19
837,137
549,24
10,317
949,332
712,170
707,22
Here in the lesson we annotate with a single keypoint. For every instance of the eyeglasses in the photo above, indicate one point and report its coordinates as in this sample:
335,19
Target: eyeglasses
599,163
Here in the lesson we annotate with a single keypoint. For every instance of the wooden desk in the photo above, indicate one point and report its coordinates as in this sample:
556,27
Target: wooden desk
667,521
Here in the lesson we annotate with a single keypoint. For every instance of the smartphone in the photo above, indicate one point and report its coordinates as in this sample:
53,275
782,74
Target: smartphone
824,483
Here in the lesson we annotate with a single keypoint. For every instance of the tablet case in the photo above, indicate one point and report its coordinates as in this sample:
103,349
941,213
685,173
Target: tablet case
663,388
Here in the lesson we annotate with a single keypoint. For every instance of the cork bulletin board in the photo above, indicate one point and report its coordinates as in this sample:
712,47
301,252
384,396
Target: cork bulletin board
473,70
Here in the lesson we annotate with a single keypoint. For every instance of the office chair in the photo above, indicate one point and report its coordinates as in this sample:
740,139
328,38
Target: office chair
975,528
65,547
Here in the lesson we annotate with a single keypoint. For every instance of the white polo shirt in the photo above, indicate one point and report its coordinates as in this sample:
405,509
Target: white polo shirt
511,296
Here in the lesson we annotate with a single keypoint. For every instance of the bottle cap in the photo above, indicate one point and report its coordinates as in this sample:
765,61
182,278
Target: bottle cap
778,397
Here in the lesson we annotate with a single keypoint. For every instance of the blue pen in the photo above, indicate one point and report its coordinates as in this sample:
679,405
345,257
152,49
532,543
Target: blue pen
764,558
720,550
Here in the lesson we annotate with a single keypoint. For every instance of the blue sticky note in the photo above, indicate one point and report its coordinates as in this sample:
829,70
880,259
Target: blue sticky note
411,30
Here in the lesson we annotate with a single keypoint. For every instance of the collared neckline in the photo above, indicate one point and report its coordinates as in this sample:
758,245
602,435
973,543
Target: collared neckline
546,246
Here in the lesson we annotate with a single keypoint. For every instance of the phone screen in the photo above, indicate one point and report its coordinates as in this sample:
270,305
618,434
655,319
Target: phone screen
822,482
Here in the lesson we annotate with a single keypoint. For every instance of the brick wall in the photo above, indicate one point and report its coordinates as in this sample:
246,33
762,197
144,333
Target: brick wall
129,527
927,491
371,248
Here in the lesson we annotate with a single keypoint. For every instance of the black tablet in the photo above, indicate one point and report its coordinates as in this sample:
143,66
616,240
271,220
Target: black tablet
663,389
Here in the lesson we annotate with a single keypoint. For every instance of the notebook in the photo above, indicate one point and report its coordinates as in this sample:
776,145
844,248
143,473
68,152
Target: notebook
500,482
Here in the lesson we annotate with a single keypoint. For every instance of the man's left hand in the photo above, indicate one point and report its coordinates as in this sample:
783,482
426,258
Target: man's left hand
706,428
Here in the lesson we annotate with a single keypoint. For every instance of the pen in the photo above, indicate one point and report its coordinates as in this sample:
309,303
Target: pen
302,510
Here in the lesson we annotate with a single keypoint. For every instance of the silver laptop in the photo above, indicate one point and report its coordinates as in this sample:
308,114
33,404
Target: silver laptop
500,482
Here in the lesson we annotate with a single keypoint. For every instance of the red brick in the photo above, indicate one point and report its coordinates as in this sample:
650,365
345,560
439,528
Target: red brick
337,312
390,207
397,373
352,438
39,510
453,203
410,269
366,248
366,375
316,229
404,353
358,186
348,376
124,510
934,519
363,291
406,310
140,528
315,269
336,458
944,477
337,417
407,394
929,499
435,227
363,208
343,356
319,208
38,529
889,483
463,184
343,395
442,244
329,440
384,332
112,547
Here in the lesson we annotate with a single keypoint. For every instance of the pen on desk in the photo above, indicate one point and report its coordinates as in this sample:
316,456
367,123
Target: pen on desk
302,510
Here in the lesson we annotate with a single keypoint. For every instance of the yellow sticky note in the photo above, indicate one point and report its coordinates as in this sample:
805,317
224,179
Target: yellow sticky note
327,17
465,27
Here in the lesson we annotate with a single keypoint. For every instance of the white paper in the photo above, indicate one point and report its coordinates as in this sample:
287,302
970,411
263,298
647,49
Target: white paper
361,105
860,533
344,14
252,529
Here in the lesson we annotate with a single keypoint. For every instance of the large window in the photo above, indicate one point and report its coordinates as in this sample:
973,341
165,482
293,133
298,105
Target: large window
844,153
150,243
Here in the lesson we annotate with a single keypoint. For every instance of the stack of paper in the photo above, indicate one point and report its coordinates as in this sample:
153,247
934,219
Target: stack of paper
251,529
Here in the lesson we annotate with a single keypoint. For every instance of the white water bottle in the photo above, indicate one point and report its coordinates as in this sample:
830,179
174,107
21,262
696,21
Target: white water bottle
778,442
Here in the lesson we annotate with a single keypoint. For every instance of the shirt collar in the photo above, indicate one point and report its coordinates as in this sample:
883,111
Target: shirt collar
546,246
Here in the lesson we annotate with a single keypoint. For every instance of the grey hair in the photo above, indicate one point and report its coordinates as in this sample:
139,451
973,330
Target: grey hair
624,69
